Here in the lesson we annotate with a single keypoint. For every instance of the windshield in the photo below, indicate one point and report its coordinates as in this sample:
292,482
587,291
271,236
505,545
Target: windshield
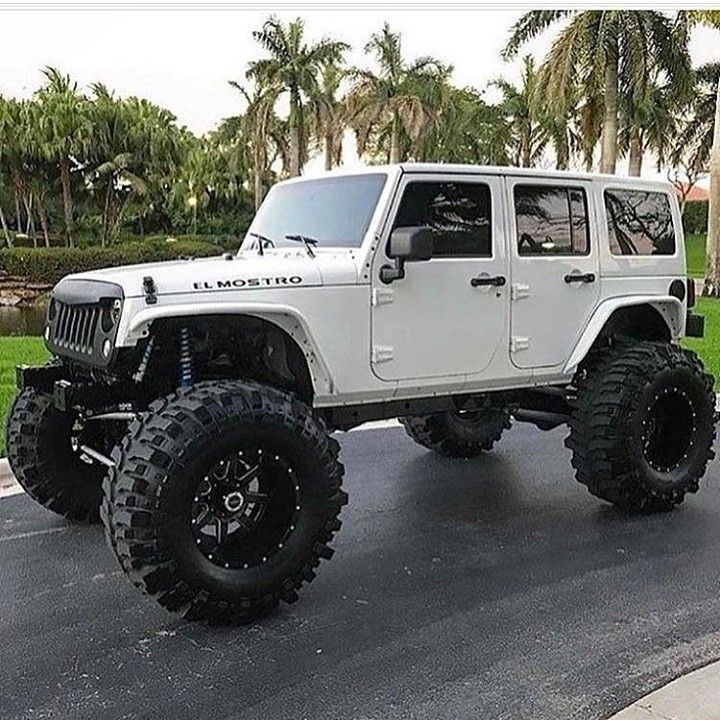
334,211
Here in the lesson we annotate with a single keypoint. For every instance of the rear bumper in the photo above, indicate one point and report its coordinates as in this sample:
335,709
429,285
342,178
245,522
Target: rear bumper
694,325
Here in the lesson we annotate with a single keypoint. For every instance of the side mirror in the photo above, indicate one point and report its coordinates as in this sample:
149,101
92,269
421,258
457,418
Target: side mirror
407,244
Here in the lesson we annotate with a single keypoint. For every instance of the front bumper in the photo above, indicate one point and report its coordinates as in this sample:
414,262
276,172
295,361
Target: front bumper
694,325
92,395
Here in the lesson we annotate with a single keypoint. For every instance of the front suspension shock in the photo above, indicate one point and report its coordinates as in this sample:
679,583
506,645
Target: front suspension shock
186,363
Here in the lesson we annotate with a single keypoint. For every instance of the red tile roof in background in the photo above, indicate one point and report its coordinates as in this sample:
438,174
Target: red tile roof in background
697,194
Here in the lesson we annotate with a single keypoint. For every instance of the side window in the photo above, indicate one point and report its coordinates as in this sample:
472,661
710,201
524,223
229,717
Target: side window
639,223
458,213
551,220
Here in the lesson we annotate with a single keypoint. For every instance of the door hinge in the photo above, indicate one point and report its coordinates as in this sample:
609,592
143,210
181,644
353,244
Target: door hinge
382,353
519,291
519,343
382,296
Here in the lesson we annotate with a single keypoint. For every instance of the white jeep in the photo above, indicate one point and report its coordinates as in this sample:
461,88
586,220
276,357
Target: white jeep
190,403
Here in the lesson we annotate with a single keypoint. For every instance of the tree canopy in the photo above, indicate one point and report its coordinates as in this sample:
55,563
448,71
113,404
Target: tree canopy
81,165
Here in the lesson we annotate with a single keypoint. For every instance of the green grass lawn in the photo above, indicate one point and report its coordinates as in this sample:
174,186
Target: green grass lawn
708,347
15,351
695,254
31,350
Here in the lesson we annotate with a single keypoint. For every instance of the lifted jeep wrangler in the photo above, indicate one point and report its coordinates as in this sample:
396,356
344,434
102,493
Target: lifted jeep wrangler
190,404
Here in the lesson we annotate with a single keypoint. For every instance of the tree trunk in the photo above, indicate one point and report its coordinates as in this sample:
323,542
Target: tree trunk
608,154
526,160
18,213
258,180
329,150
562,154
712,272
30,227
42,215
106,212
636,154
6,231
395,140
118,213
294,132
67,200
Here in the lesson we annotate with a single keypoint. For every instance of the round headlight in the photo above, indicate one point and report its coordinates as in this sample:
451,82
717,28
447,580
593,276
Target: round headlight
110,316
107,348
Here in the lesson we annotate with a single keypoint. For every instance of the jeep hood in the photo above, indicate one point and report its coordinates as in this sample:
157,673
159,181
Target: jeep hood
279,268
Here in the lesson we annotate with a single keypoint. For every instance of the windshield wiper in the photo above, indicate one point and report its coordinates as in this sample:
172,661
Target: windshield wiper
309,242
262,242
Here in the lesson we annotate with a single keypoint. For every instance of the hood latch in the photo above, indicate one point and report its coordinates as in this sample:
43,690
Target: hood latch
150,290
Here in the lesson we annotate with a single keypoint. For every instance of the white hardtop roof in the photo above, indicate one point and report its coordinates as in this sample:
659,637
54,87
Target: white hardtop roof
460,169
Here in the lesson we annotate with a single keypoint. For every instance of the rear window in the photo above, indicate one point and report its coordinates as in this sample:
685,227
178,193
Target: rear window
639,222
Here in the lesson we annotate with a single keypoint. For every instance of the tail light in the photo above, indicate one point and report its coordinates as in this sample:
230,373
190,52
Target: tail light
690,283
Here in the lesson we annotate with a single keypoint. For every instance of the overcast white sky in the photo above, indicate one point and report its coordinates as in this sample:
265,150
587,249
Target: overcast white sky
183,58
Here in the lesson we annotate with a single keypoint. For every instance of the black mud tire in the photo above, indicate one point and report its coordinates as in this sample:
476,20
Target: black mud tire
456,434
41,456
643,430
146,495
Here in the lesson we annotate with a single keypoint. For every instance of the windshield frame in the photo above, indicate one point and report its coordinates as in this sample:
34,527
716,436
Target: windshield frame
375,217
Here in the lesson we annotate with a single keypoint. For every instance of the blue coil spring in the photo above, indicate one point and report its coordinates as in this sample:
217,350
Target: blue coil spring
186,369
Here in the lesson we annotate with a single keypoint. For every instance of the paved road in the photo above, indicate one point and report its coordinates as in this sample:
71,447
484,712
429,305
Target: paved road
493,588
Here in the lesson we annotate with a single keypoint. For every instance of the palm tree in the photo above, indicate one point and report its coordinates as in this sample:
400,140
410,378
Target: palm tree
39,171
712,279
396,100
529,137
468,131
696,135
706,106
149,155
13,152
328,114
65,127
648,122
264,132
293,67
108,150
606,52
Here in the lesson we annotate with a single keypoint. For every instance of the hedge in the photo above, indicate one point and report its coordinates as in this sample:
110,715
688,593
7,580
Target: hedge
695,217
49,265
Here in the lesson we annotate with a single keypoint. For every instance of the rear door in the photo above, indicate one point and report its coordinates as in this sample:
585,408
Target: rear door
555,268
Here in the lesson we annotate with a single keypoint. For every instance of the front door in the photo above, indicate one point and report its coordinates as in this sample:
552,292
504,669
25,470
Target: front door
555,284
448,316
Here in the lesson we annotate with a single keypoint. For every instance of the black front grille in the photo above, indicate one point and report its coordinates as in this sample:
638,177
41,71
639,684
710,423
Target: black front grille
82,321
75,327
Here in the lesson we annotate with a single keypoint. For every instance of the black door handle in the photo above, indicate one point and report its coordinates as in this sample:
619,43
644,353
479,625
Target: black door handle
497,281
586,278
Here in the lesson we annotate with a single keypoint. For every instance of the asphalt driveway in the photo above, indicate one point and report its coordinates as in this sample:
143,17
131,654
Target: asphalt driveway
492,588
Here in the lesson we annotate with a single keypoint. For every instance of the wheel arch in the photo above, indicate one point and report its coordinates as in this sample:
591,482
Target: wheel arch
287,321
640,317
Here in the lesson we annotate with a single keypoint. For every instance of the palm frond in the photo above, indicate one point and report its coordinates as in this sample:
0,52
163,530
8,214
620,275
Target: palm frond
530,25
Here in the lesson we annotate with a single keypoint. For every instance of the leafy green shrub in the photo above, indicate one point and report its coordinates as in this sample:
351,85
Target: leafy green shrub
225,241
22,241
695,217
49,265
